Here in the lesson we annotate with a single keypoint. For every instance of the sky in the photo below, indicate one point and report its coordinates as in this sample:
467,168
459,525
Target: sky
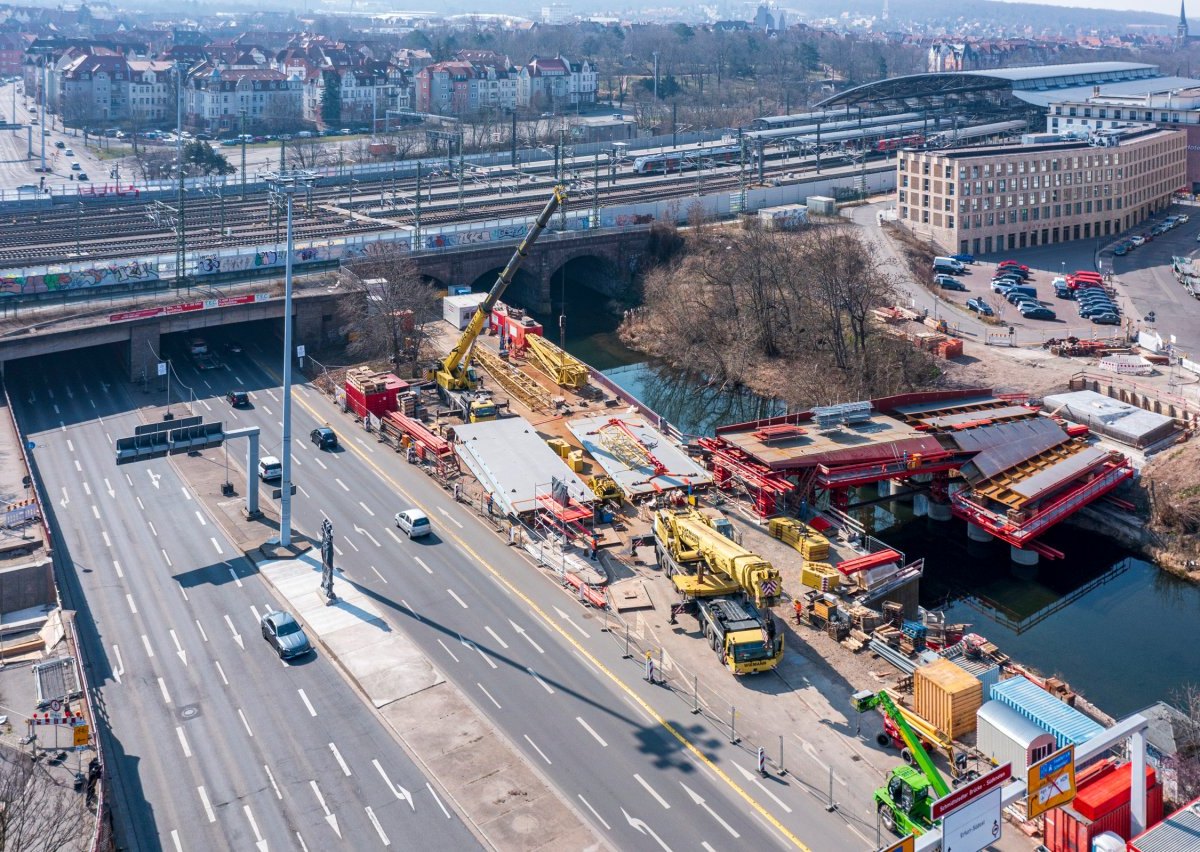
1166,7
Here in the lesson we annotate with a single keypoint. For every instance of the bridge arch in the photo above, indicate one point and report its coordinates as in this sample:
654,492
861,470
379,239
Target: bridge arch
525,289
595,271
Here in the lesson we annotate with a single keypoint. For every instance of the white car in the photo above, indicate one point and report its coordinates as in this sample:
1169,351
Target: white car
414,522
270,469
1138,240
1058,279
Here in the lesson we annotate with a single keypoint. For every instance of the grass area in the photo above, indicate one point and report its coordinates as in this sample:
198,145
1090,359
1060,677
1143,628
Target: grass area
116,152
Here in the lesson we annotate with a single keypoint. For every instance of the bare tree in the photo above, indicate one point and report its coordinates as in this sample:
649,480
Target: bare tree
392,319
309,154
1185,763
37,812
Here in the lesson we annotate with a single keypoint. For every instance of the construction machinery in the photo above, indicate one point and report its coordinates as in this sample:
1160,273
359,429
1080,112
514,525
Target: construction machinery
905,802
745,641
699,553
565,370
457,381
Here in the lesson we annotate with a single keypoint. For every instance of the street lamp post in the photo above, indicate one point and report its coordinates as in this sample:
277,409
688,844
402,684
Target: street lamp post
286,183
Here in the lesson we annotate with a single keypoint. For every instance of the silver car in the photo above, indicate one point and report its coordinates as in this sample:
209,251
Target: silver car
285,635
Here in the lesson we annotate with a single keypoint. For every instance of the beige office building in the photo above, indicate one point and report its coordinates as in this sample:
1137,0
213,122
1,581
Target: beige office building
1003,197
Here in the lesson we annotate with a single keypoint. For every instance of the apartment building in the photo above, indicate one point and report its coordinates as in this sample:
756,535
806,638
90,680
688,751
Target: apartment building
215,98
557,82
1003,197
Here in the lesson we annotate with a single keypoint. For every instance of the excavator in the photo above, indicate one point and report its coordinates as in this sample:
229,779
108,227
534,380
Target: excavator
456,379
905,802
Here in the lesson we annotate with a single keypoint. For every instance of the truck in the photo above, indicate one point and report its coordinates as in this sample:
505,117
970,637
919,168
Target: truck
455,376
720,582
905,802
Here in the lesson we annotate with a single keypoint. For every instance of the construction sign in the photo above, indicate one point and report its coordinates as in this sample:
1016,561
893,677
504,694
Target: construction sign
81,736
908,844
1051,782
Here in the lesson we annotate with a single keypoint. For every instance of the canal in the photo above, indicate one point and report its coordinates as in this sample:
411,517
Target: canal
1113,626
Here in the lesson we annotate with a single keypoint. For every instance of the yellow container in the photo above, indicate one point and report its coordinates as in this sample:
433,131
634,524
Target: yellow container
947,696
575,460
559,446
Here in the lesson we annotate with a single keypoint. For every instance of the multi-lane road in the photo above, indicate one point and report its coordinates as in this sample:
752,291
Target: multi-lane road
213,742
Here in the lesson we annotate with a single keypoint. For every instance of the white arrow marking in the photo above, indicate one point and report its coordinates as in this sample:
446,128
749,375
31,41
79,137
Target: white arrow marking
120,669
329,817
538,678
644,829
362,531
178,648
398,791
65,499
527,637
450,517
366,508
696,798
342,763
568,620
208,810
496,636
469,644
154,478
258,838
108,487
237,637
378,828
749,776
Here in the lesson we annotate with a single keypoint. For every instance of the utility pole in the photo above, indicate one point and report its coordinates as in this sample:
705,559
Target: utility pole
741,171
674,125
42,118
461,170
512,135
656,81
181,236
242,125
596,192
417,224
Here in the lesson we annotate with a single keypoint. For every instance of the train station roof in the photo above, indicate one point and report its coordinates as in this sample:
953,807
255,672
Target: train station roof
1030,83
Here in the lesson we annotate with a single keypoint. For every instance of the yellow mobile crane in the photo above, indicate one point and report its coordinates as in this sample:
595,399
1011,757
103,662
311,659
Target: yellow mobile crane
454,374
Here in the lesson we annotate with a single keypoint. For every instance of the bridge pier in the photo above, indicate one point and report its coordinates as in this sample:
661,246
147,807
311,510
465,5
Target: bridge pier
145,345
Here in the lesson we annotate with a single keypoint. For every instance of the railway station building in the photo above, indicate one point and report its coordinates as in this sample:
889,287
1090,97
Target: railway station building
984,199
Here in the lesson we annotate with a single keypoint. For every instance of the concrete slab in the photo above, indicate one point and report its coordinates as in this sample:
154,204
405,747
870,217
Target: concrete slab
629,595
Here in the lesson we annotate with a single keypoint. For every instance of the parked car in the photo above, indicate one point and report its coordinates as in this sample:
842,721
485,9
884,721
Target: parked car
324,438
1097,311
75,167
285,635
1002,285
237,398
980,307
1015,297
1106,319
1012,264
414,522
1138,240
949,282
1183,217
1062,291
1121,250
1038,312
964,258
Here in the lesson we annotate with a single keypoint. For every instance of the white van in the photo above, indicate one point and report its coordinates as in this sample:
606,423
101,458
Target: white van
414,522
270,469
948,264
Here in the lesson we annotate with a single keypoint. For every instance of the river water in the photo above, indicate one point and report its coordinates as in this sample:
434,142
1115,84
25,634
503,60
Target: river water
1117,629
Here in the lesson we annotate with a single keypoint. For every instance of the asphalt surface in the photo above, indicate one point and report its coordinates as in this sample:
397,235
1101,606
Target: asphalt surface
627,755
17,168
211,741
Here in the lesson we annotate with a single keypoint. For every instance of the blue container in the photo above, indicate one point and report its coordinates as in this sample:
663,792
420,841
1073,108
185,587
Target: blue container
1068,725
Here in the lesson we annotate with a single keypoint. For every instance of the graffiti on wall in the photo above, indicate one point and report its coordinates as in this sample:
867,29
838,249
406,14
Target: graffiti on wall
622,220
130,272
499,233
270,258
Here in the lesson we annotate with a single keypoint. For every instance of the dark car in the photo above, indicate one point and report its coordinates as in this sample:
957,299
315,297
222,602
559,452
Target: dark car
1016,297
1038,313
948,282
285,635
1121,250
980,307
1098,311
964,258
238,398
1106,319
324,438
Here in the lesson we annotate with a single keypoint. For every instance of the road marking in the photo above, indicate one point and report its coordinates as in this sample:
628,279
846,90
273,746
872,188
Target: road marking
235,577
538,750
337,550
362,531
450,517
594,813
642,828
468,643
254,610
274,786
70,446
266,409
120,669
168,558
307,496
174,833
496,636
528,638
178,648
398,791
203,635
108,487
162,684
377,574
208,810
56,411
132,605
641,705
258,838
352,544
812,752
666,805
205,404
366,446
460,601
104,536
707,847
569,621
589,729
378,827
221,672
78,467
538,678
216,544
421,562
329,816
339,482
187,495
238,379
342,763
448,651
200,518
245,724
295,460
271,394
437,799
95,508
237,637
392,533
307,703
489,695
65,499
366,508
410,608
87,489
153,531
187,749
117,566
141,505
321,463
696,798
750,777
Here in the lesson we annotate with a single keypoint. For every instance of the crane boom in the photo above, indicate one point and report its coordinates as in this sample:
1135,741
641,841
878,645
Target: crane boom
868,700
452,371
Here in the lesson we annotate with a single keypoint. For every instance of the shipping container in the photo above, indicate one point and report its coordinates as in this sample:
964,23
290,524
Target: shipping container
374,393
1005,736
947,697
1068,725
821,205
787,217
1067,831
1107,790
1178,832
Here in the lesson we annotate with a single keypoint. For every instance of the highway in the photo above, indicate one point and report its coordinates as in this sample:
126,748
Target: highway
625,754
211,741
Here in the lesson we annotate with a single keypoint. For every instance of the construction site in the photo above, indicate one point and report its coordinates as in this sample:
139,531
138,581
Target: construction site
759,541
